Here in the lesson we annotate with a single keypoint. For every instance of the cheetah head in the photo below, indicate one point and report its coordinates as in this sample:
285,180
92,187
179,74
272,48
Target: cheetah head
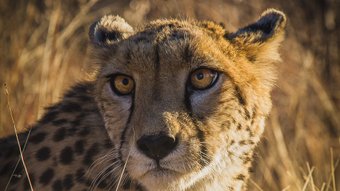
184,102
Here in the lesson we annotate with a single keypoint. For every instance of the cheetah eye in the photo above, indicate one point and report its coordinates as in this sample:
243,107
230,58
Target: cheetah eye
203,78
122,84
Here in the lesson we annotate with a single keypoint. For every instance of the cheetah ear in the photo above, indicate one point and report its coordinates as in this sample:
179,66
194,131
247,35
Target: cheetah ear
261,39
108,30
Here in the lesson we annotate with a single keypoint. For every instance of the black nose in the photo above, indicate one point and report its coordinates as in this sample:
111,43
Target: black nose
156,146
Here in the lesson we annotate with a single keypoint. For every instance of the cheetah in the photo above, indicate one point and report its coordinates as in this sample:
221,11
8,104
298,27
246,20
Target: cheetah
175,105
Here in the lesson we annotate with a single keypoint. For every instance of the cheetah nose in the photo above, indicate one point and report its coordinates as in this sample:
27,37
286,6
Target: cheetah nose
157,146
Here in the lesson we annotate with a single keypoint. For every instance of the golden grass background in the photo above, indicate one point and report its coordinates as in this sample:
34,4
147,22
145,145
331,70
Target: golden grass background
44,42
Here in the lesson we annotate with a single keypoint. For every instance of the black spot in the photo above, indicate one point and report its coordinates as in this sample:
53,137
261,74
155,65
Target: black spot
59,122
80,175
79,147
254,113
240,177
246,160
43,154
46,176
251,134
226,125
239,126
57,185
92,152
37,138
68,181
252,121
242,142
66,155
59,134
70,107
50,116
239,96
85,130
247,114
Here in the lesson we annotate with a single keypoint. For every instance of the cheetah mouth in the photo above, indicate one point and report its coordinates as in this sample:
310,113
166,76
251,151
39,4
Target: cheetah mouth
161,171
161,175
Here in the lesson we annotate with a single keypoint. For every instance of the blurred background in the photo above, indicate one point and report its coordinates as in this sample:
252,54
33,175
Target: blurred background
43,44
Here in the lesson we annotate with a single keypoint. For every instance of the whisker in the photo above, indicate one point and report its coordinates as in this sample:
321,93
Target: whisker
98,179
101,176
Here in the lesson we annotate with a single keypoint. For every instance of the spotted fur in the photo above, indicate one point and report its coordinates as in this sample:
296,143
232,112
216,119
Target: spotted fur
89,140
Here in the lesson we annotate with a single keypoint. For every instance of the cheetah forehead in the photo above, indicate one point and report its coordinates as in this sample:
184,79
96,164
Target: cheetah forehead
181,42
246,56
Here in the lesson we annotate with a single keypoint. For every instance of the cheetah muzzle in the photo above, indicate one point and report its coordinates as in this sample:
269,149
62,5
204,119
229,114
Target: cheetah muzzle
175,105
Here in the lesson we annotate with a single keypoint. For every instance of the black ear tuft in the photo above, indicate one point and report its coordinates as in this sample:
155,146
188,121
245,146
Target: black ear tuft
270,23
108,30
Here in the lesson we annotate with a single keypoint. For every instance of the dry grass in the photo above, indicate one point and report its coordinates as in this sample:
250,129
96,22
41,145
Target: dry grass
42,53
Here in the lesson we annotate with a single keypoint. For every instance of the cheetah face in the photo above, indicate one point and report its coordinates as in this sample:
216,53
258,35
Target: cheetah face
184,101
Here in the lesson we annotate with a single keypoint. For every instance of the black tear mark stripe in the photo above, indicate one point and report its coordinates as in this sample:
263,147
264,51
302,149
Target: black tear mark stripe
188,54
204,160
157,58
239,96
122,137
156,86
187,95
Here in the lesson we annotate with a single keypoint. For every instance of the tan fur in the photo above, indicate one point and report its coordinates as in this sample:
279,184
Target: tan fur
231,130
217,129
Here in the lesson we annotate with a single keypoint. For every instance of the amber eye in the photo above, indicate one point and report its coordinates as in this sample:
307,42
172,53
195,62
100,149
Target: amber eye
203,78
122,84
